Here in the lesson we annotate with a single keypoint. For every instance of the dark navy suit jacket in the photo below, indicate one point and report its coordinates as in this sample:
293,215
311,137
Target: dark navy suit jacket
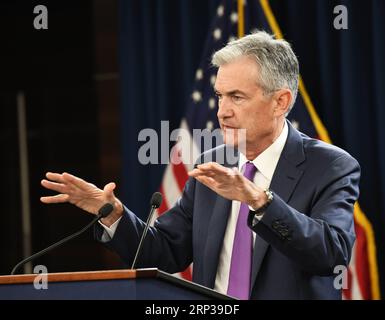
304,234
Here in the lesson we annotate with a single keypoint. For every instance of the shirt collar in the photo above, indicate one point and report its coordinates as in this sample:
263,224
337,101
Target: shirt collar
267,161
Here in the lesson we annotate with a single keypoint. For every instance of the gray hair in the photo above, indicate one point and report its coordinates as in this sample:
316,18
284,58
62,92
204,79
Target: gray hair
278,65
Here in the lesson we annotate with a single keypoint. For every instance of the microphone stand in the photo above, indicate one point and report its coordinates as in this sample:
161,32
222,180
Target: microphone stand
156,200
103,212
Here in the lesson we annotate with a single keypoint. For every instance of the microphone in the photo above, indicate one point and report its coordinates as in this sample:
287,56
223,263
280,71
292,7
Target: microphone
103,212
156,200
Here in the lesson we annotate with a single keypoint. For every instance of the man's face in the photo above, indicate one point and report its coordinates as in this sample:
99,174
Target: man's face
242,104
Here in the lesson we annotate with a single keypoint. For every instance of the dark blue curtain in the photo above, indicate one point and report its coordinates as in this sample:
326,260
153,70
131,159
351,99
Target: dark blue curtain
344,72
161,43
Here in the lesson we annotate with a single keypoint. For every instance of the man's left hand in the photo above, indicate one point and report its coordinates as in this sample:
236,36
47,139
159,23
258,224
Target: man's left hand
229,183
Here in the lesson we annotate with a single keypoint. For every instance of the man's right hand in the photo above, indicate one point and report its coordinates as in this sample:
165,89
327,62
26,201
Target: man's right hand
84,195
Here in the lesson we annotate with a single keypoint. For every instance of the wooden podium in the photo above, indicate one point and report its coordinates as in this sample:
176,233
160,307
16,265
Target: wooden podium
140,284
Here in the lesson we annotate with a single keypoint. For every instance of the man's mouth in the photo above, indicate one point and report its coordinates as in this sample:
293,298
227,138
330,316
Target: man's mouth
226,127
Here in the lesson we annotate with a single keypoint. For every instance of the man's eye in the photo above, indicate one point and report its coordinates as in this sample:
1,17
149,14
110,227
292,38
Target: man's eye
237,98
219,96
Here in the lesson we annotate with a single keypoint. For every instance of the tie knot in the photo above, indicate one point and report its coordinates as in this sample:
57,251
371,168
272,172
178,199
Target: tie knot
250,170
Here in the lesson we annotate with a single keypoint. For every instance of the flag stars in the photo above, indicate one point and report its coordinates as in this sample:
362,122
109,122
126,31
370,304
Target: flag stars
234,17
212,103
199,74
196,96
220,10
232,38
213,78
217,34
209,125
295,124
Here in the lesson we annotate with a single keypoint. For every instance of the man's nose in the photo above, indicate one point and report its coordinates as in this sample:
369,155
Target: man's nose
225,109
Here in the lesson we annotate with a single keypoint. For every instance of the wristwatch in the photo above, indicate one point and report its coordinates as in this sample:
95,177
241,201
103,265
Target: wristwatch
260,211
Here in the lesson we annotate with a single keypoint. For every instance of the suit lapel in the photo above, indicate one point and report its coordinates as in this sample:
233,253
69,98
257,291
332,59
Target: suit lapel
217,229
284,181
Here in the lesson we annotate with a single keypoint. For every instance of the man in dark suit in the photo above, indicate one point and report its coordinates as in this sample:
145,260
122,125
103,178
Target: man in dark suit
274,225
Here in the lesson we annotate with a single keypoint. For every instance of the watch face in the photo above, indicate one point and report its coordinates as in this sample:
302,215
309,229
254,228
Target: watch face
269,195
259,213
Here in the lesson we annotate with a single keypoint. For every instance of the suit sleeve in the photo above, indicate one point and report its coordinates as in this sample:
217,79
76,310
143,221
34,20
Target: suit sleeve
323,238
168,245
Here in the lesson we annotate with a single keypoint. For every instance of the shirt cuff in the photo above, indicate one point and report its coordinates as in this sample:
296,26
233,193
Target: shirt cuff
256,218
109,231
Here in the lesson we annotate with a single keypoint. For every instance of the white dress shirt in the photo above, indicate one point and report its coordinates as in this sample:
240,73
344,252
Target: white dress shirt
109,231
265,163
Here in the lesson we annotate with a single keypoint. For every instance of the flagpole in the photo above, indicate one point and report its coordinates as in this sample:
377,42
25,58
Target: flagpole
24,180
241,18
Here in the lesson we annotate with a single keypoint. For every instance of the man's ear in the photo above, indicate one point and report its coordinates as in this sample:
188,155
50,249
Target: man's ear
283,99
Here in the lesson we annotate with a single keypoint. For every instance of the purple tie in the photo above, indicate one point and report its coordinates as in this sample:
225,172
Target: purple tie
240,269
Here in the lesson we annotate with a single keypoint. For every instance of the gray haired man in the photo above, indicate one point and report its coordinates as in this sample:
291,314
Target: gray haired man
275,226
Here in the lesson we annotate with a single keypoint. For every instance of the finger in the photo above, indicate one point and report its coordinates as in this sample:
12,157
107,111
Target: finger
235,170
109,189
209,174
197,172
219,176
207,181
237,173
77,182
59,198
57,177
213,167
58,187
194,173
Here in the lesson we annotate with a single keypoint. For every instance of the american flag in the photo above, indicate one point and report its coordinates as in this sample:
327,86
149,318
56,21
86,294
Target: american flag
233,19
